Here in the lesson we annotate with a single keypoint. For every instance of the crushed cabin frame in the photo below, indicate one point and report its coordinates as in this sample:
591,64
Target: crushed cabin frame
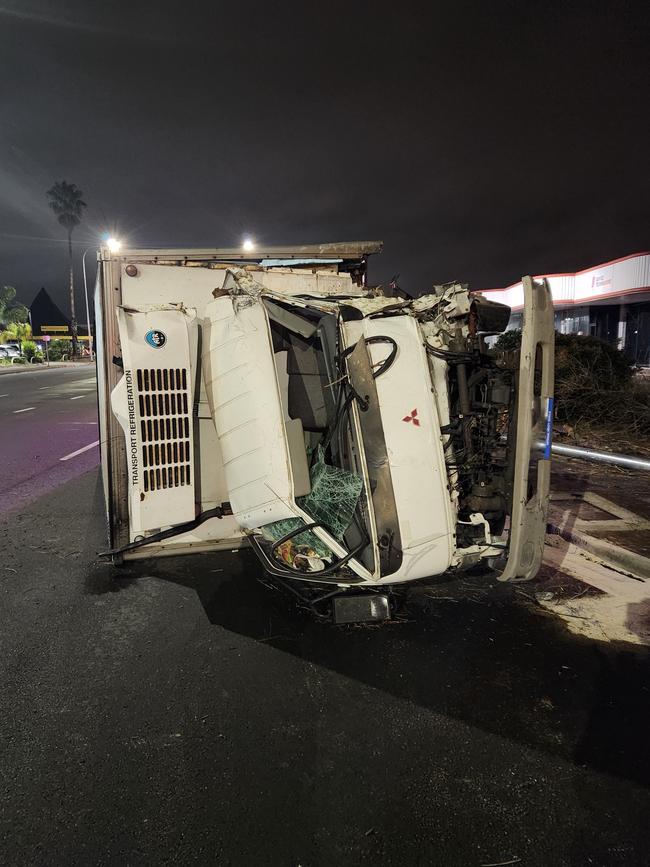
534,390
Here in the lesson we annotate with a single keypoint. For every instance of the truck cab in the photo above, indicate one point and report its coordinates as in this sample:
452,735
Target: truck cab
352,437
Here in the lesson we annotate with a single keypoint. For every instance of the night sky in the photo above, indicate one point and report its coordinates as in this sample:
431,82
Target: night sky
479,140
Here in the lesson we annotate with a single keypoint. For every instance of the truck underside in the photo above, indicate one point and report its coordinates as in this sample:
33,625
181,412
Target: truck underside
353,439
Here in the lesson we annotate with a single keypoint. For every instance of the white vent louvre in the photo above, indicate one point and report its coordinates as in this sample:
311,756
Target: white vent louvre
154,402
164,407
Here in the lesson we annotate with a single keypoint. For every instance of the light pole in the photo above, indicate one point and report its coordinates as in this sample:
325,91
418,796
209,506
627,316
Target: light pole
90,337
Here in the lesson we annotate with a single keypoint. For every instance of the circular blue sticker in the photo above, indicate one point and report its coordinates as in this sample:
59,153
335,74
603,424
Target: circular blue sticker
155,338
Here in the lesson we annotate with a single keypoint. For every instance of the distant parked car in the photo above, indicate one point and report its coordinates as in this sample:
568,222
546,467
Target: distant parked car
10,350
3,352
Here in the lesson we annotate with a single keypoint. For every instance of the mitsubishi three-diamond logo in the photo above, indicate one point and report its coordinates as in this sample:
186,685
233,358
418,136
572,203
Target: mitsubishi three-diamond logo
413,417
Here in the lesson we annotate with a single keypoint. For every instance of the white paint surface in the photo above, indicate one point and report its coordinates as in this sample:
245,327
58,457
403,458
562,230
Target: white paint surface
80,451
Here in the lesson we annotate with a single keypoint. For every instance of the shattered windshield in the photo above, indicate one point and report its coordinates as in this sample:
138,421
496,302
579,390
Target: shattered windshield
314,396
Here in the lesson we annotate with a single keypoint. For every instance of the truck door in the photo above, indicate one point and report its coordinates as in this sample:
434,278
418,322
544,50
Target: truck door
532,435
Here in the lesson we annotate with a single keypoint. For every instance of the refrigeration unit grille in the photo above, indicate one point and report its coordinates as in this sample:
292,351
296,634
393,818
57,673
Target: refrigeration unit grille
164,427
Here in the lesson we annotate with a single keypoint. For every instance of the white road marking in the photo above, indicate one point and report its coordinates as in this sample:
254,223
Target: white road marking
78,397
4,395
80,451
43,387
27,409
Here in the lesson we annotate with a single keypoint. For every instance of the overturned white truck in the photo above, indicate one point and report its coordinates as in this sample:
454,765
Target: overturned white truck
356,440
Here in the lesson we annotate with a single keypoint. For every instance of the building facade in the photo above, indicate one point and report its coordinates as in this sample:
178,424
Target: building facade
47,319
610,301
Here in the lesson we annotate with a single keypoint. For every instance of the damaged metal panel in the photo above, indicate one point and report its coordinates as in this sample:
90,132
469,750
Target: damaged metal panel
532,475
346,251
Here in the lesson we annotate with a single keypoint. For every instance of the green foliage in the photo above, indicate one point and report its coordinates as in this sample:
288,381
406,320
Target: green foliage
594,382
67,203
10,311
591,359
576,354
509,340
29,349
58,348
16,331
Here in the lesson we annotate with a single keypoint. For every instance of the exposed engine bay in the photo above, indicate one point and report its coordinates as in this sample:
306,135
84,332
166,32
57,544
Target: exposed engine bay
481,386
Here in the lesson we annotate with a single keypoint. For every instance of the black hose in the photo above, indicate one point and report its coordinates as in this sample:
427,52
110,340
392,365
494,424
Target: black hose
390,360
343,407
447,355
378,338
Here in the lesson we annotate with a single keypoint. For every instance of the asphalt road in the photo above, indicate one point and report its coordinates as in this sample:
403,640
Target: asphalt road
181,713
45,417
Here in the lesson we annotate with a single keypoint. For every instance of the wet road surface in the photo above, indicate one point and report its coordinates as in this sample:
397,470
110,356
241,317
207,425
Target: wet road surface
181,713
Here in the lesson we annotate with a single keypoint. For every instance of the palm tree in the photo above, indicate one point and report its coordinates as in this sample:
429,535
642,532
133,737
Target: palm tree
17,332
10,310
67,204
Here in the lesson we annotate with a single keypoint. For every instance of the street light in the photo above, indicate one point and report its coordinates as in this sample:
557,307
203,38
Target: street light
248,245
114,246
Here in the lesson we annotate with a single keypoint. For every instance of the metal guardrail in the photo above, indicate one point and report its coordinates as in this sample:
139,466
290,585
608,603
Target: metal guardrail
600,457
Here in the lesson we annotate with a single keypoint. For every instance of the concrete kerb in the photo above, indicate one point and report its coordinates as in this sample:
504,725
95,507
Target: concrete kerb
621,559
565,520
7,369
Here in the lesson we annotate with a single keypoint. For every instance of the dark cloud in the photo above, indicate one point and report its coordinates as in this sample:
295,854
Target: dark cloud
479,140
